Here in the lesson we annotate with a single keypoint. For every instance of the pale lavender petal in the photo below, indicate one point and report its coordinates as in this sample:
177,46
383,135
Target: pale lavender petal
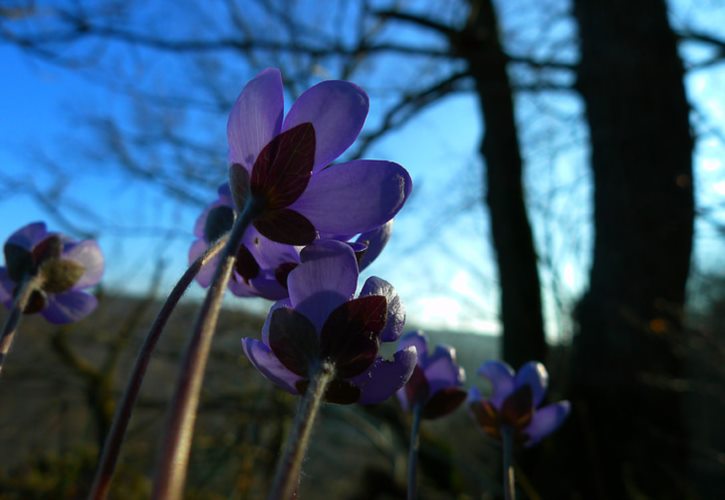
474,395
269,254
326,278
441,370
396,312
376,240
546,420
384,377
7,286
268,287
239,288
88,254
69,306
337,111
534,375
267,363
28,236
265,328
256,117
354,197
417,340
501,376
206,273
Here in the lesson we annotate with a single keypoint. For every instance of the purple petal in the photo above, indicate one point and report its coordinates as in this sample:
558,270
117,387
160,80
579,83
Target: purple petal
385,377
293,340
443,402
375,241
88,254
28,236
265,328
6,288
354,197
268,287
286,226
442,370
206,273
267,363
546,420
417,339
69,307
268,253
416,389
534,375
256,117
326,278
501,376
337,110
395,320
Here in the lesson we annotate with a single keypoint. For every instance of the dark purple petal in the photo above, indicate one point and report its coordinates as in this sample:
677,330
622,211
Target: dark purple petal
87,254
6,287
339,391
501,376
224,199
416,390
395,320
337,111
535,376
256,117
443,402
69,307
417,340
19,262
293,340
385,377
267,363
350,336
286,226
354,197
375,240
265,328
518,408
219,220
245,265
239,185
28,236
281,273
546,420
326,278
284,167
442,370
487,417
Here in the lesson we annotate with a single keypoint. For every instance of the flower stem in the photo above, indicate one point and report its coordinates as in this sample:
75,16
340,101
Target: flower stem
509,482
25,290
114,439
174,458
413,452
287,477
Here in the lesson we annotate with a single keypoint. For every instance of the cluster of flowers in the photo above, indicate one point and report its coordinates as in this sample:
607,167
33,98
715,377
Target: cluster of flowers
312,227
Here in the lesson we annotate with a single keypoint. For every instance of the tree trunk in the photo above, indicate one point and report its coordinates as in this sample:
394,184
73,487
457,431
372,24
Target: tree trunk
520,302
627,432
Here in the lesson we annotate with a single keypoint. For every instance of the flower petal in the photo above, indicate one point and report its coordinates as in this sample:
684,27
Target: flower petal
285,226
416,389
337,110
375,240
443,402
442,370
293,340
7,286
534,375
395,320
354,197
546,420
88,254
417,339
256,117
265,328
28,236
69,307
267,363
501,376
206,273
326,277
385,377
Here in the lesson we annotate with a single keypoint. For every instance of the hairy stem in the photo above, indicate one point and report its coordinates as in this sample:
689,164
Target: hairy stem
287,477
174,459
509,482
413,452
114,439
25,290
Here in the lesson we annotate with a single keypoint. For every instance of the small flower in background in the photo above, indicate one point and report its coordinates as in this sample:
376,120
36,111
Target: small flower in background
262,265
321,322
65,268
436,380
514,403
285,165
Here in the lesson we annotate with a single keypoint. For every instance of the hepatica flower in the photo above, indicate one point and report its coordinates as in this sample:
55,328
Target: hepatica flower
322,323
436,381
283,165
262,265
515,403
65,269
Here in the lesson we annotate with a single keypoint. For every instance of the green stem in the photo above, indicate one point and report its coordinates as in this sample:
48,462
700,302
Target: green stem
287,477
509,482
114,439
413,452
25,290
174,459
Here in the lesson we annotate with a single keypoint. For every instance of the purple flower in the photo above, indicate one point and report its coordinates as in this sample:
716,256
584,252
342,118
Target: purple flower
322,322
436,380
514,402
262,265
66,267
285,164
